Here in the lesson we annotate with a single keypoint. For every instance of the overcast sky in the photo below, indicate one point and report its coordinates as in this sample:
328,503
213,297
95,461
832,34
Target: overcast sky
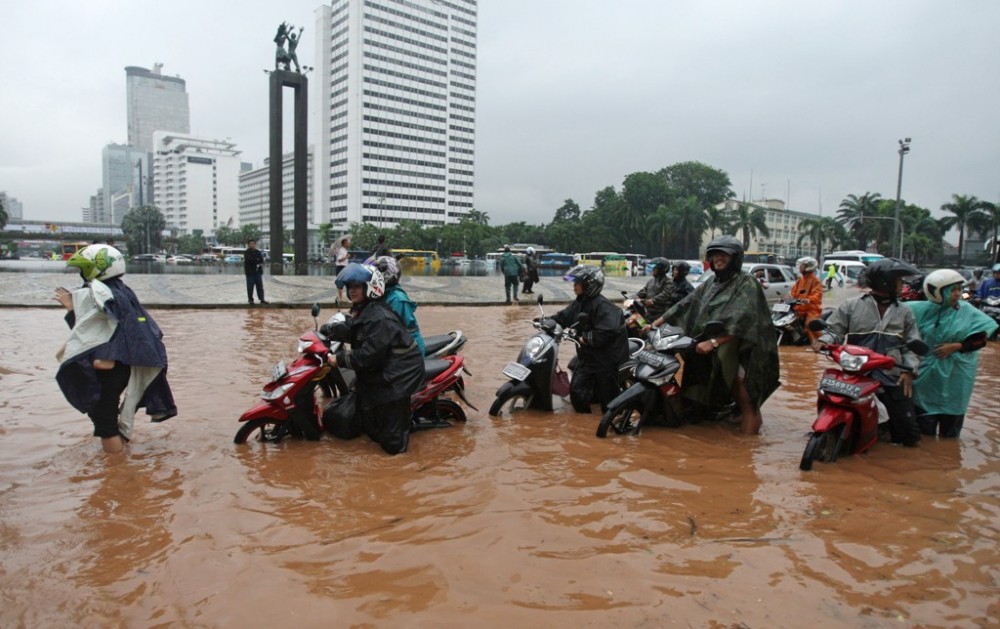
806,100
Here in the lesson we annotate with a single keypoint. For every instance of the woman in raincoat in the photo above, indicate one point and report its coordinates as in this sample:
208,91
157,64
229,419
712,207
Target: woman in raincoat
956,331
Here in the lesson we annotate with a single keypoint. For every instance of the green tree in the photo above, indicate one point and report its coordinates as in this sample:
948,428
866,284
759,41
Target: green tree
965,210
751,221
251,231
478,218
820,231
717,219
569,211
992,213
662,223
324,233
3,216
852,213
143,229
689,222
191,243
710,186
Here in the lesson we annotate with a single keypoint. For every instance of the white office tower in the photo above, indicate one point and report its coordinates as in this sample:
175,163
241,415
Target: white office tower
255,197
155,103
196,181
395,122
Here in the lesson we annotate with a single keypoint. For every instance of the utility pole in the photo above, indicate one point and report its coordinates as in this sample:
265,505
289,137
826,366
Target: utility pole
904,148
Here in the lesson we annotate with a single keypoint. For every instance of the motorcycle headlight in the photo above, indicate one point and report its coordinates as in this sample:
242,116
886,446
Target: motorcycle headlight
277,392
531,349
663,341
303,346
852,362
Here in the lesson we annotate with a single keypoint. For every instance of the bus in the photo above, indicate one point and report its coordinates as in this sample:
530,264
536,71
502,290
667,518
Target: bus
418,259
557,261
855,255
612,263
768,257
69,248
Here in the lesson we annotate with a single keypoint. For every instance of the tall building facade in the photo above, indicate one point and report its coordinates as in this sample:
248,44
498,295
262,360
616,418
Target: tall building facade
395,105
123,187
155,103
196,181
255,200
11,206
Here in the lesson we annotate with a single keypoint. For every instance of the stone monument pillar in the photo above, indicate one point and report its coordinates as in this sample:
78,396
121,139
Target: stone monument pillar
279,80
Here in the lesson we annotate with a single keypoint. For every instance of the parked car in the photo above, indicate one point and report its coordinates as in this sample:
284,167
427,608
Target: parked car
149,257
233,259
180,259
776,279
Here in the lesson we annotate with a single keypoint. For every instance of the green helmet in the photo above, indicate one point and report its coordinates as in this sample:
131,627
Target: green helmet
98,262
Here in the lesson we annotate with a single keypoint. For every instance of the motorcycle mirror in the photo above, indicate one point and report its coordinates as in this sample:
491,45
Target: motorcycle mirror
817,325
541,300
714,328
918,347
315,310
624,294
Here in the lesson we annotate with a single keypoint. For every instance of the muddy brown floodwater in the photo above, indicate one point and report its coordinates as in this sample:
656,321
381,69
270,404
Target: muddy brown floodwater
531,522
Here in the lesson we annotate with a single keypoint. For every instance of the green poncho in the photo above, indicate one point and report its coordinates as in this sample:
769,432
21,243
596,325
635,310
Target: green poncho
944,386
740,305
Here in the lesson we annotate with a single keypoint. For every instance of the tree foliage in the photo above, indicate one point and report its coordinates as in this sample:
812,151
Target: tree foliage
143,229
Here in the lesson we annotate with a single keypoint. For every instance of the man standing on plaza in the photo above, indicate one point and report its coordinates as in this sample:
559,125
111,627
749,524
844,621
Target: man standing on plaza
511,267
253,268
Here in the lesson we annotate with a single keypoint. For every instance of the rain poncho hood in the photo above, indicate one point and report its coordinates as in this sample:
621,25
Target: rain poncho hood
740,305
944,386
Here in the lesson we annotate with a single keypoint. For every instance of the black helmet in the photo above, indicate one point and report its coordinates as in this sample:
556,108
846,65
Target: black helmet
591,277
682,268
660,263
881,275
732,246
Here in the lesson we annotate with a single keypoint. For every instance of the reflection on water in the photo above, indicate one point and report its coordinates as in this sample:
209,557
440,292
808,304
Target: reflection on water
526,522
477,268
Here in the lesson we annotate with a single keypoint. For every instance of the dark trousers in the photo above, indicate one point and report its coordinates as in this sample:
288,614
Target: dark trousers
528,283
255,280
945,426
587,388
388,424
903,425
104,414
510,282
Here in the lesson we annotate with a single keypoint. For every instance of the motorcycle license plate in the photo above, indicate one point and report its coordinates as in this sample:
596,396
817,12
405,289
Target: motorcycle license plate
781,308
278,372
652,359
832,385
517,371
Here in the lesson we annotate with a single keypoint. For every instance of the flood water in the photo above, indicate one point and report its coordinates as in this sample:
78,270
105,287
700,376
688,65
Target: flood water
530,522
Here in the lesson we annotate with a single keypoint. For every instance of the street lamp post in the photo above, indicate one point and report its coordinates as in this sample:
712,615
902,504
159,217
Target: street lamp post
904,148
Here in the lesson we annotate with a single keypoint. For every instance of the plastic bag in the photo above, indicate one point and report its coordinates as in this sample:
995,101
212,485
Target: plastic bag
560,384
340,417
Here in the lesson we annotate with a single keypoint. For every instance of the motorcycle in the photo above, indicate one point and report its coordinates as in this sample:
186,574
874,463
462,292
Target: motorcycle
535,376
656,391
787,322
634,312
913,290
991,306
290,405
848,414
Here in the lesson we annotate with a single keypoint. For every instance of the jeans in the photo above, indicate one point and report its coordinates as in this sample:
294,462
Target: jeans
255,280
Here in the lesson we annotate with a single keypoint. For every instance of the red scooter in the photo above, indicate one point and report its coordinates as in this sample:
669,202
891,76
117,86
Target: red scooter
848,412
289,405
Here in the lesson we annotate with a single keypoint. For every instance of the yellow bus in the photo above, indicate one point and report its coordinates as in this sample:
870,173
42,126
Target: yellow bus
418,259
611,262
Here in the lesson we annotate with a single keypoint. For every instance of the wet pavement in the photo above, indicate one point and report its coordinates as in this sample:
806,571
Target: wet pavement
531,521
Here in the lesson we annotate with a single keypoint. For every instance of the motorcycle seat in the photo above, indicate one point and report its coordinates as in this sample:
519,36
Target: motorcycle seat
434,367
438,341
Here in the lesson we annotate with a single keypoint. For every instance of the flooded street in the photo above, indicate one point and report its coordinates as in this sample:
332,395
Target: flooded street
530,522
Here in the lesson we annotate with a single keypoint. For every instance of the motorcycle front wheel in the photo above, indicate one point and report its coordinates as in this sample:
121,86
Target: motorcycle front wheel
624,420
268,430
822,446
513,400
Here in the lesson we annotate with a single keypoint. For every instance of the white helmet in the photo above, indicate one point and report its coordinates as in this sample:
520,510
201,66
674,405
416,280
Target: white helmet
531,251
98,262
935,284
807,264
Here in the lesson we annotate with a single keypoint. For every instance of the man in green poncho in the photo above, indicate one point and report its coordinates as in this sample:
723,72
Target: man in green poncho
956,331
743,361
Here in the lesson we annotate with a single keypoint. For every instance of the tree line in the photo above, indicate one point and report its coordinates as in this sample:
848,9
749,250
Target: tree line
665,213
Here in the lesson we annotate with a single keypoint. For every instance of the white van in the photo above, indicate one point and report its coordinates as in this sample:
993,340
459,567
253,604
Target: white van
855,255
848,271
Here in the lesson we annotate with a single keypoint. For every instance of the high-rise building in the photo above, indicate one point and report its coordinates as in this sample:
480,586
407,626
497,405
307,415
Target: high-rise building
11,206
122,189
396,113
255,199
155,103
196,181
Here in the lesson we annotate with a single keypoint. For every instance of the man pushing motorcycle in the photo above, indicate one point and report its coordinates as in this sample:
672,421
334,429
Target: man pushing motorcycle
877,320
808,293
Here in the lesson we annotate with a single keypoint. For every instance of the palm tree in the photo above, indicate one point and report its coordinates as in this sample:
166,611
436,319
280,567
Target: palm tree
992,212
966,209
662,223
717,219
751,220
478,218
819,231
689,221
852,212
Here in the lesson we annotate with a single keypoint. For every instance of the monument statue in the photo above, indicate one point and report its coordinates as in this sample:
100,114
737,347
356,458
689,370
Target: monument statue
286,33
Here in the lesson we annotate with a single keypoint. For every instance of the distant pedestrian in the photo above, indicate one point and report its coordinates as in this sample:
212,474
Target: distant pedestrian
340,252
380,249
530,271
831,274
253,268
511,267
